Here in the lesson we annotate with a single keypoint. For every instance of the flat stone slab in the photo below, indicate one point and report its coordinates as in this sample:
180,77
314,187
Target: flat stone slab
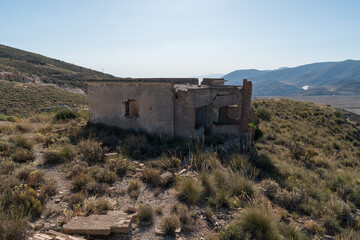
52,235
112,222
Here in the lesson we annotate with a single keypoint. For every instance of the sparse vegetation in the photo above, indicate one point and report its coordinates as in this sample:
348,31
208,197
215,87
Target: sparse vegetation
300,180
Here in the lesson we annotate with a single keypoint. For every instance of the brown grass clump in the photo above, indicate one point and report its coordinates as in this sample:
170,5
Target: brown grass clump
134,188
99,205
145,213
190,190
170,223
254,222
22,142
151,176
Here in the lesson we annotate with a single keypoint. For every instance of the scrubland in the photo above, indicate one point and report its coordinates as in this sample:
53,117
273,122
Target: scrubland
299,179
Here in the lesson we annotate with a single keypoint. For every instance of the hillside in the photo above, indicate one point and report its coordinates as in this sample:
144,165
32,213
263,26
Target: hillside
299,180
28,98
325,78
21,65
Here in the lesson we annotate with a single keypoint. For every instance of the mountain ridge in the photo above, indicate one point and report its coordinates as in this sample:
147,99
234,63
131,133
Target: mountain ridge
331,76
20,65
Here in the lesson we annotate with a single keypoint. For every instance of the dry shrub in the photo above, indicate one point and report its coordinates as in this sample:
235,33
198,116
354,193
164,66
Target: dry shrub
12,227
145,213
48,189
289,199
151,176
186,217
102,175
271,187
254,222
190,190
119,165
91,151
168,163
77,200
22,155
59,154
170,223
99,205
7,166
134,188
240,162
22,142
80,180
29,175
96,188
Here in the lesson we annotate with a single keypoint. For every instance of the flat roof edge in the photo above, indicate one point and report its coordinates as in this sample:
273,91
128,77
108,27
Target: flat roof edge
144,80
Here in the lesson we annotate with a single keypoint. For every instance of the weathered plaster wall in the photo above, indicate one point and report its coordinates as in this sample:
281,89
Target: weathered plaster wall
155,106
184,116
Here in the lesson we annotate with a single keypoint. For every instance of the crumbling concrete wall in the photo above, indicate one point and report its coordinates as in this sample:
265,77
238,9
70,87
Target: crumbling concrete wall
107,104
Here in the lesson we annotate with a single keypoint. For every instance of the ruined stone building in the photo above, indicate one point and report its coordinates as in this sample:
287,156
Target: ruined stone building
178,107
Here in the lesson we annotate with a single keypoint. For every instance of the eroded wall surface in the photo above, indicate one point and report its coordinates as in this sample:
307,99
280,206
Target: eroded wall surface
155,106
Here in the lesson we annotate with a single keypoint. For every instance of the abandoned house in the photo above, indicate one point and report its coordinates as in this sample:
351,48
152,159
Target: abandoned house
178,107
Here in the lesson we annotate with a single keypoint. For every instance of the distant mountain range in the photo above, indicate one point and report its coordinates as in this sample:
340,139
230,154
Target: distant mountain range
324,78
23,66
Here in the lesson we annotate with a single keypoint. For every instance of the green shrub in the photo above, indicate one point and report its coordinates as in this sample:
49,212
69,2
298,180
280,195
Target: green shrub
263,114
170,223
91,151
145,213
190,190
62,114
240,186
257,223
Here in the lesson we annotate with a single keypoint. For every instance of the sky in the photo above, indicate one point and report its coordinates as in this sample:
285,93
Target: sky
183,38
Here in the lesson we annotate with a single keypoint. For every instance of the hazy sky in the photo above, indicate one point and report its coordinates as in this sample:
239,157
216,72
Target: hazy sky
183,38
